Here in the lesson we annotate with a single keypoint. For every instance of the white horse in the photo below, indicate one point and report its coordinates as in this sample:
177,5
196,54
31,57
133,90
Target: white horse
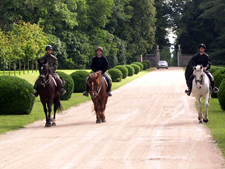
201,88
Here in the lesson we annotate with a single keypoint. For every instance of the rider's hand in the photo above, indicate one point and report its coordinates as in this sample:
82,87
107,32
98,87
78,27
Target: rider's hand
100,71
204,68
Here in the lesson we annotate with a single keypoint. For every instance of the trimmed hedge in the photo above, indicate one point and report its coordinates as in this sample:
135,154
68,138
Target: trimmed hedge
148,62
136,68
221,95
79,78
214,68
115,74
130,70
123,70
15,96
145,65
139,64
218,77
69,86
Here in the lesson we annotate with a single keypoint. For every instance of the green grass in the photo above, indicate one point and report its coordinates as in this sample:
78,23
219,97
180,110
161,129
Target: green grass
217,123
13,122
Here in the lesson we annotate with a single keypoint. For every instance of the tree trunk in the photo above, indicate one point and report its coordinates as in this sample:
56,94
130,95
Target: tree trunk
4,67
32,66
19,66
14,65
28,65
24,66
36,65
9,68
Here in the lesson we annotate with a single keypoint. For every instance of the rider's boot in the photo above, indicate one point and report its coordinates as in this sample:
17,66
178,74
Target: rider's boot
109,90
62,91
35,94
86,90
188,92
214,89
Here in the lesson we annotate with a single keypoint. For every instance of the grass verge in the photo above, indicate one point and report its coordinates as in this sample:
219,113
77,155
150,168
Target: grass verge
13,122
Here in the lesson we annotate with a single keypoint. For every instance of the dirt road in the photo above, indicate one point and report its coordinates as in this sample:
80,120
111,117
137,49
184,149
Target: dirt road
151,124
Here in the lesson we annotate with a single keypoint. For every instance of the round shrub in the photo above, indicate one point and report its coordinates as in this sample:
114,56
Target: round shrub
221,95
69,86
145,65
136,68
115,74
130,70
148,62
123,70
214,68
79,78
139,64
218,77
15,96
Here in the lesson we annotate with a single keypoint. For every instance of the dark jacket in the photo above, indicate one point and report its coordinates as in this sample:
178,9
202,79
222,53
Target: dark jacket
99,64
52,62
198,59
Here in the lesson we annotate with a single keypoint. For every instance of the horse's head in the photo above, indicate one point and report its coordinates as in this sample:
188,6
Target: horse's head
199,74
95,83
44,71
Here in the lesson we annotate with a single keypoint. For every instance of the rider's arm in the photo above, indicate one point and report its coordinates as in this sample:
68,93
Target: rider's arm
209,64
106,66
54,66
93,65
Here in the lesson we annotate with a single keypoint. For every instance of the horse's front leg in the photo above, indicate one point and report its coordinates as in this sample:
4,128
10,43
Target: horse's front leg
46,115
103,111
97,111
199,109
207,99
48,123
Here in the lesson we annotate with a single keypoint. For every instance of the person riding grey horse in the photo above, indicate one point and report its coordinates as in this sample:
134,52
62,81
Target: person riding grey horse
99,64
201,58
53,64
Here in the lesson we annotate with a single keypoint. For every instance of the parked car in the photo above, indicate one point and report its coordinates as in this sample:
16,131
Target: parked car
162,64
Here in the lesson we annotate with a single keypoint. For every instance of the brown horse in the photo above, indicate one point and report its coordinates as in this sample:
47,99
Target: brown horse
48,92
98,95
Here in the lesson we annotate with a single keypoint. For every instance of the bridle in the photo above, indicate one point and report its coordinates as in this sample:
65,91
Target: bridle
98,90
43,76
201,81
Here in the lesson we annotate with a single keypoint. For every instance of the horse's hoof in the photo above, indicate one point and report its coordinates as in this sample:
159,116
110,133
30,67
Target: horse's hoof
48,125
205,120
200,121
98,121
53,124
103,121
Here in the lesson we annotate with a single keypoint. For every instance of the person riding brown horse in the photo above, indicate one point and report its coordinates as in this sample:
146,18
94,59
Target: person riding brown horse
100,64
98,95
53,64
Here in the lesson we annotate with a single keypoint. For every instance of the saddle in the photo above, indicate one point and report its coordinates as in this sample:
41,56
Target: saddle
106,80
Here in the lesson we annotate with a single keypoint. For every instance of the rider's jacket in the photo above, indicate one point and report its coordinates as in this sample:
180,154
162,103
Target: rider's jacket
99,64
197,59
52,61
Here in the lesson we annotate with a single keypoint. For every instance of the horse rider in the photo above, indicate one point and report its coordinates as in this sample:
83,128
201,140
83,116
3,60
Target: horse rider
100,64
53,64
201,58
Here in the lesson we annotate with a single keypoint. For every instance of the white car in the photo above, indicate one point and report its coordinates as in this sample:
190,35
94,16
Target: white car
162,64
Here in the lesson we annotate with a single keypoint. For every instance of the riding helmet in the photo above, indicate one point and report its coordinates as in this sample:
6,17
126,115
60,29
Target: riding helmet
48,47
99,48
202,45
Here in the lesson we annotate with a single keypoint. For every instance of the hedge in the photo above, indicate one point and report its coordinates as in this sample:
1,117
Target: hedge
221,95
136,68
15,96
130,70
214,68
115,74
69,86
139,64
148,62
79,78
218,77
123,70
145,65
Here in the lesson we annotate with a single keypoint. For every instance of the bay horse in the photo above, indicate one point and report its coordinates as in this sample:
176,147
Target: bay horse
97,90
49,94
201,88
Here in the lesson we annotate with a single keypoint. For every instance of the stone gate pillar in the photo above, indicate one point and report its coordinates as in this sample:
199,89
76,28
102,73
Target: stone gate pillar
179,55
157,54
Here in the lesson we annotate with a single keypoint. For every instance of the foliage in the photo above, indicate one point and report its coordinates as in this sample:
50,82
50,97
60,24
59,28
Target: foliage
136,68
218,77
145,65
148,62
123,70
214,68
115,74
221,95
15,96
69,86
79,78
130,70
139,64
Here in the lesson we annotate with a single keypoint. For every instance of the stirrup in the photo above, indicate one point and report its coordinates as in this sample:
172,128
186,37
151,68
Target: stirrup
215,90
109,94
188,92
85,93
62,91
35,94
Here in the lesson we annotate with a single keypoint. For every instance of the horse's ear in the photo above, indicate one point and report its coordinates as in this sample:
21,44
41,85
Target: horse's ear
194,68
201,67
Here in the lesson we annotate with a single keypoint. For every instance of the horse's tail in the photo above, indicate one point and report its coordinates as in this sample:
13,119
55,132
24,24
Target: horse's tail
58,105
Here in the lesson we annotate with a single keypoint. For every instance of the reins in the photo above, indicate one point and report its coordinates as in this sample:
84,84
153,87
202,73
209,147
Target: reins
47,81
200,81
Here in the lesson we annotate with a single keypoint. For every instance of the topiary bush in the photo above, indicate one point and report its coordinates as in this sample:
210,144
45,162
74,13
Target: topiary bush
214,68
148,62
221,94
15,96
115,74
69,86
139,64
136,68
145,65
123,70
79,78
218,77
130,70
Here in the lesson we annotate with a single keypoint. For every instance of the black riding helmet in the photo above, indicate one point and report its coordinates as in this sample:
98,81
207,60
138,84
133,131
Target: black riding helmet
202,45
48,47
